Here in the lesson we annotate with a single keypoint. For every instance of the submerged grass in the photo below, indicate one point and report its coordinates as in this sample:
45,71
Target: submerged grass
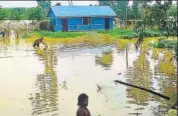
81,39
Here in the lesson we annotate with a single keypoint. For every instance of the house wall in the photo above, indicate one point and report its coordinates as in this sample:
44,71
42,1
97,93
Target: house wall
76,24
58,26
54,22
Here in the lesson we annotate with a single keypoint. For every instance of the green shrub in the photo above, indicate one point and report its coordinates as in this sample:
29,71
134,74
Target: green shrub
26,35
170,44
44,25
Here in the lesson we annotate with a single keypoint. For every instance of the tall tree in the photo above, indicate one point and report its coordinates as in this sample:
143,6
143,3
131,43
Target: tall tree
5,13
35,14
17,13
44,5
120,7
105,3
156,16
135,9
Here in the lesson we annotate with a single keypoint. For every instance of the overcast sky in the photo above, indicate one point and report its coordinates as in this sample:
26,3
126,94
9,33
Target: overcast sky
34,3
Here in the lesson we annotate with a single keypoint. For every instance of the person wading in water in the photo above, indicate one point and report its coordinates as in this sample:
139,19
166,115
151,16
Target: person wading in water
83,103
38,41
2,33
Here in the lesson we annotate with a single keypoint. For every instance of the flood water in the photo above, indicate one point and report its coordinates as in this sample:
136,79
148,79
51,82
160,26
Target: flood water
47,82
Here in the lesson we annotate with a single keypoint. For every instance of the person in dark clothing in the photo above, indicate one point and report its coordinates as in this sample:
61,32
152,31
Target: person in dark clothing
38,41
2,33
82,103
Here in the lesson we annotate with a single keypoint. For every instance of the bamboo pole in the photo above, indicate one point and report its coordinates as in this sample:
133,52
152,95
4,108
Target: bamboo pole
150,91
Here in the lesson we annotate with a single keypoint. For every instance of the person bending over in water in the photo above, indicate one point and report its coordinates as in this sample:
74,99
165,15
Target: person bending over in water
83,103
38,41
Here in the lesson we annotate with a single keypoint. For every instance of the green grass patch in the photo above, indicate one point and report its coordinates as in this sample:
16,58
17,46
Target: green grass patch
170,44
167,44
51,34
121,33
154,33
129,34
117,33
26,35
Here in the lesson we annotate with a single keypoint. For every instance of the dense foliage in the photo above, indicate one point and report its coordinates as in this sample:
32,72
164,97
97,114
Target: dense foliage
34,13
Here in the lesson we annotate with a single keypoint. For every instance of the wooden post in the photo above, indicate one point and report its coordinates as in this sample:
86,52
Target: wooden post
126,56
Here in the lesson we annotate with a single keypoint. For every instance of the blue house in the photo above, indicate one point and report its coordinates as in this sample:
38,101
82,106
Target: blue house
81,18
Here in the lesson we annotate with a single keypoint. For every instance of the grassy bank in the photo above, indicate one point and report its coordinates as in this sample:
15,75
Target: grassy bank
167,44
51,34
129,34
119,33
116,33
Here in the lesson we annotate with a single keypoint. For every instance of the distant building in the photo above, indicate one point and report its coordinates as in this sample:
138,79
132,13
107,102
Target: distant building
81,18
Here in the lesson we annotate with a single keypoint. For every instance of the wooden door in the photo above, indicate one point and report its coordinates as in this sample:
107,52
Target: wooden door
106,23
64,25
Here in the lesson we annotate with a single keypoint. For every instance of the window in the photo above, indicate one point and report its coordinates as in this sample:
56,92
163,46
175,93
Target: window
85,21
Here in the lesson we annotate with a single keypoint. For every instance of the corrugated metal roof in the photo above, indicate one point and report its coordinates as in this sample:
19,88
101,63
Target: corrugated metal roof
82,11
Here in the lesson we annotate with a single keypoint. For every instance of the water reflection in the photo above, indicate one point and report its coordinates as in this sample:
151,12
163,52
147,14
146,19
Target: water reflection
46,98
17,42
139,75
126,54
5,43
147,68
145,75
166,70
165,65
64,85
121,46
155,53
105,60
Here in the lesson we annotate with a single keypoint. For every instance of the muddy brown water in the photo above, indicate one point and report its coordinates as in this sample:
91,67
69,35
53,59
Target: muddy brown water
47,82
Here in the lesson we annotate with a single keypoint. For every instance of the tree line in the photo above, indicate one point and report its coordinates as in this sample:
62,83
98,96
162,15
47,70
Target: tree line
138,8
34,13
124,12
149,16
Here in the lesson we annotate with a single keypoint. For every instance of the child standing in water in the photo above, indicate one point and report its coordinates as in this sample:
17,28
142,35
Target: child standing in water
83,103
